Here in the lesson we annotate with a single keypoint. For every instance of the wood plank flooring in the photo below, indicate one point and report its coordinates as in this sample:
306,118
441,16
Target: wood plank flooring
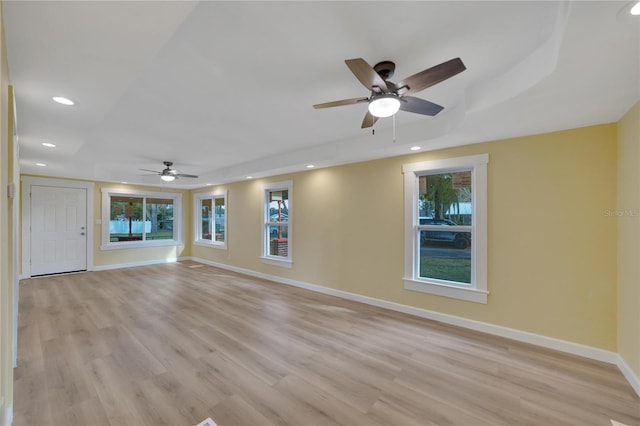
174,344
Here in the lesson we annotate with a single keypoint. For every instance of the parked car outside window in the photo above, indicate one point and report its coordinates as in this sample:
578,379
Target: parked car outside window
460,240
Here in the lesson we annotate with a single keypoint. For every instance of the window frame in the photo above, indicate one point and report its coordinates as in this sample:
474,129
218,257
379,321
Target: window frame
197,226
107,193
285,262
477,290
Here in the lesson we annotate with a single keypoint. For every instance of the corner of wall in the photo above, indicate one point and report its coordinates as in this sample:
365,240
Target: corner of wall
628,245
6,243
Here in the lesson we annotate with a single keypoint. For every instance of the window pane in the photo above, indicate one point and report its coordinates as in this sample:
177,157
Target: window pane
160,219
125,222
279,206
445,255
219,219
276,223
206,215
279,213
446,196
278,232
278,240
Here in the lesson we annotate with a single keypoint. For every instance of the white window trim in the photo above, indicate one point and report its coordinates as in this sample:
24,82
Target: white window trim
477,292
106,217
265,257
197,219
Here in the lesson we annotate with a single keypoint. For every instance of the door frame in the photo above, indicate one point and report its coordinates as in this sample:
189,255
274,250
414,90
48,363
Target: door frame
15,213
27,182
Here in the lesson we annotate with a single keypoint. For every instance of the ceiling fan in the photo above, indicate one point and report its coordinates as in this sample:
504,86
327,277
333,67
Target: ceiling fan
169,174
388,97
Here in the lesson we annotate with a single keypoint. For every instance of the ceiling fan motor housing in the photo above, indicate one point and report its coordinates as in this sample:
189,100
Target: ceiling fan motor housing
385,69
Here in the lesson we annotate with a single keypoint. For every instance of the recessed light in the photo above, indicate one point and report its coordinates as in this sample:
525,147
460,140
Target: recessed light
124,182
635,10
62,100
48,144
41,164
415,148
310,166
249,177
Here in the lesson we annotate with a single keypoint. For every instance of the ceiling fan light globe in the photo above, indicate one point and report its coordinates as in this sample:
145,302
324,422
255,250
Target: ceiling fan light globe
168,178
384,106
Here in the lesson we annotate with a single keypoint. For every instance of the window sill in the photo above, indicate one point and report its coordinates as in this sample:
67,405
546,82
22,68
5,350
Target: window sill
271,260
217,245
452,291
139,244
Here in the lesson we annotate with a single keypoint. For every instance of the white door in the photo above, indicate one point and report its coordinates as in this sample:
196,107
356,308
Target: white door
58,229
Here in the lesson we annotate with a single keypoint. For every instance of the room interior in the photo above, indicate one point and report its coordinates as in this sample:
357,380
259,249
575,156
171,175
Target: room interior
225,92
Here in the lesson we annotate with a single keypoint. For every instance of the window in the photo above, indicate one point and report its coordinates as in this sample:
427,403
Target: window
445,227
210,219
276,247
137,219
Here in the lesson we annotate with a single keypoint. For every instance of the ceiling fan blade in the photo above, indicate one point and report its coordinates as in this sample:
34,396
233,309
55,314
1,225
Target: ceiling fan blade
419,106
340,103
369,120
366,74
185,175
153,171
430,76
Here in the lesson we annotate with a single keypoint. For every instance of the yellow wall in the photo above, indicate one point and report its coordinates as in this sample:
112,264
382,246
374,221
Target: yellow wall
551,247
6,254
628,217
551,234
103,258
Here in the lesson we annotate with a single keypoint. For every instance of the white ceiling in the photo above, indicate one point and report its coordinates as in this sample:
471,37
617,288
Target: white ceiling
225,89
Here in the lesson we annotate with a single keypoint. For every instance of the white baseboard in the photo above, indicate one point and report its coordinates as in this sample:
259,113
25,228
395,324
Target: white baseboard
141,263
131,264
8,414
629,374
496,330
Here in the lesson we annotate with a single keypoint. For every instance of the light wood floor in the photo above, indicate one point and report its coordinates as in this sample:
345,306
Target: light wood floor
174,344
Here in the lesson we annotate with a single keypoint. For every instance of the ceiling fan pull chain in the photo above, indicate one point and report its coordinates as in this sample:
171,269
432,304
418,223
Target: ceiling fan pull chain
394,128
